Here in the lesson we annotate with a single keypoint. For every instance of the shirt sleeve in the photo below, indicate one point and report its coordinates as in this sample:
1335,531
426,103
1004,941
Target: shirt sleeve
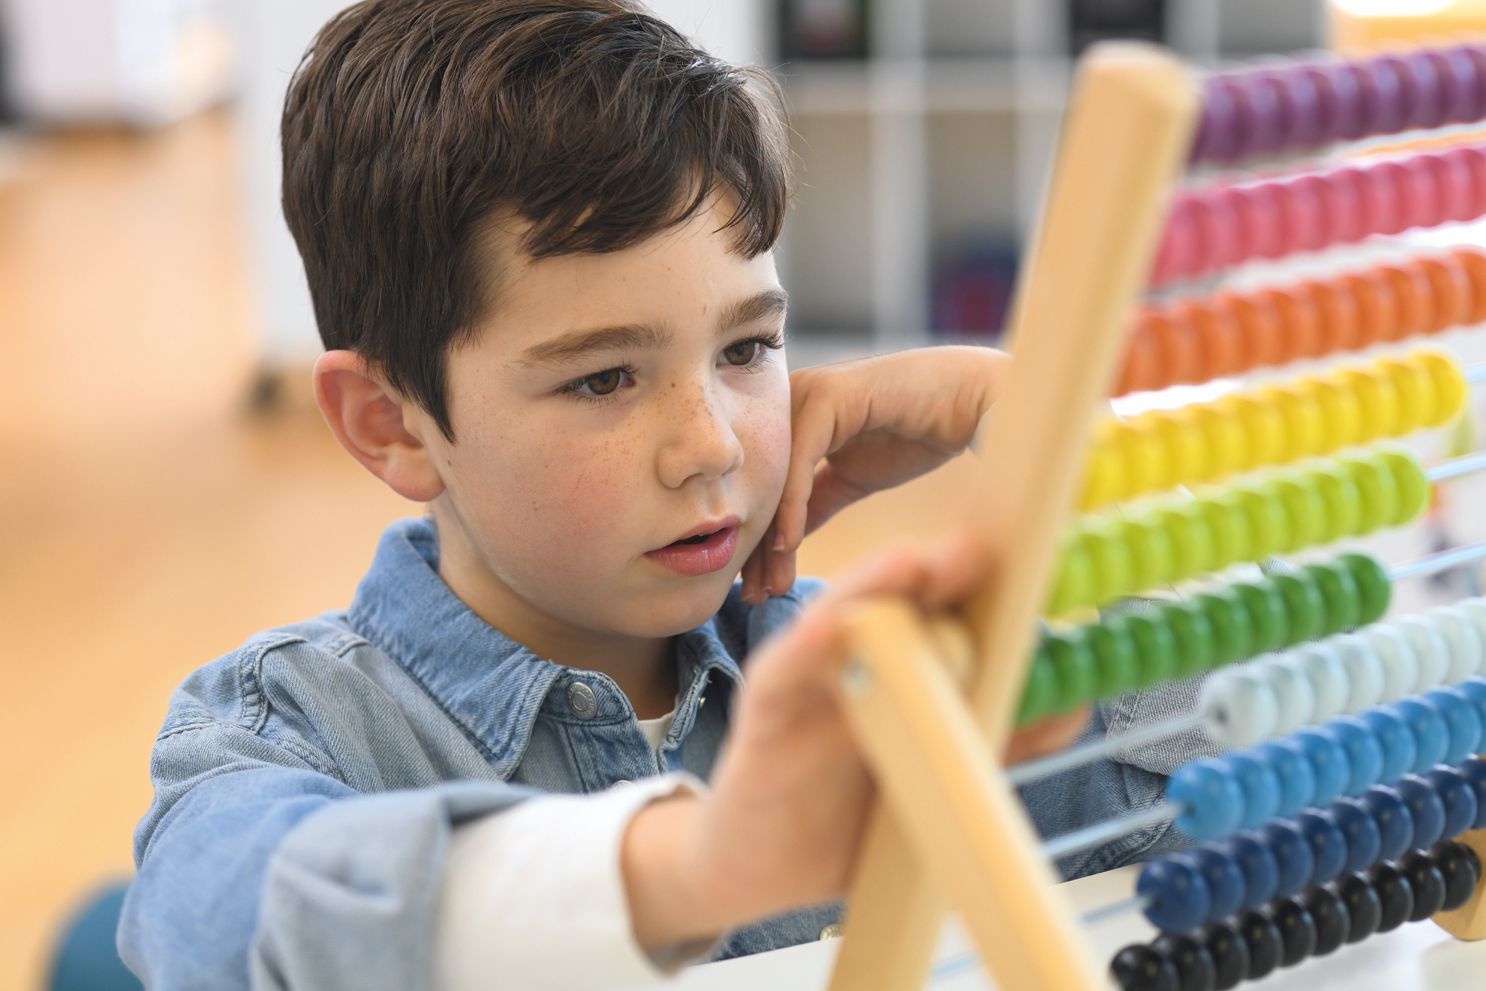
536,896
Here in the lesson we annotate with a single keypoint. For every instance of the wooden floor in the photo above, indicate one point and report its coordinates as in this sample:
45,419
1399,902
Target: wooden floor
148,519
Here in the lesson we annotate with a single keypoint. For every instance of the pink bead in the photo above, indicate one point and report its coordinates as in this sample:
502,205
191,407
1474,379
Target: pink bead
1302,208
1383,197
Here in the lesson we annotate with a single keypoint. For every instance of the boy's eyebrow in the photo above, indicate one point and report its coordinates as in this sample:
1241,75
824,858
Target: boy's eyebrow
576,344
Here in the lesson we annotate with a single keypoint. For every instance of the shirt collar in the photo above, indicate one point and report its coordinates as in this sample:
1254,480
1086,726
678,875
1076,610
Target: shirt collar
492,686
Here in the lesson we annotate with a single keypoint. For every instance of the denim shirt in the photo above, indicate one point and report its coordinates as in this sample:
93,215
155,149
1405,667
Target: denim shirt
307,784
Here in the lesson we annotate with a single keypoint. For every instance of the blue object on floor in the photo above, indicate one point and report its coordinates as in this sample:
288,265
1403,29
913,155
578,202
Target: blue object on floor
86,957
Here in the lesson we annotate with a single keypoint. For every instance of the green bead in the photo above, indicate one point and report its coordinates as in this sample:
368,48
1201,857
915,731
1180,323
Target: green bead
1074,585
1339,590
1040,695
1342,500
1073,662
1305,610
1191,539
1303,508
1269,530
1115,656
1233,638
1150,552
1230,529
1374,590
1194,636
1155,648
1377,492
1413,486
1114,570
1268,617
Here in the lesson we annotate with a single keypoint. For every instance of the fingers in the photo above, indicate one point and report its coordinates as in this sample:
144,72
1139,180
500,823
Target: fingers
812,433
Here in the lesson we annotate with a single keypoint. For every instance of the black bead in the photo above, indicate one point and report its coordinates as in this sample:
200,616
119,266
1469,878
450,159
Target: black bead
1426,880
1394,892
1144,968
1364,907
1461,869
1297,929
1229,952
1330,915
1264,942
1194,965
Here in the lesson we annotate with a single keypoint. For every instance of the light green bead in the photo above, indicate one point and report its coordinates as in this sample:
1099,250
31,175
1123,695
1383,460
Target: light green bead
1342,500
1413,486
1377,492
1074,585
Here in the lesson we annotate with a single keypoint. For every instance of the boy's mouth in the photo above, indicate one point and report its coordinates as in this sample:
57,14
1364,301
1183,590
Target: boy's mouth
708,548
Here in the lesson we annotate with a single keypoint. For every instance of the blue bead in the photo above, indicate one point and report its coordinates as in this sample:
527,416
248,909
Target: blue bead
1364,840
1178,899
1328,845
1427,808
1475,690
1474,772
1225,881
1395,821
1329,762
1399,749
1364,752
1261,787
1462,720
1211,800
1431,736
1293,769
1458,797
1261,872
1292,855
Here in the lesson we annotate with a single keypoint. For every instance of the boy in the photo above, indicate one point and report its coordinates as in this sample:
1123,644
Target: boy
537,235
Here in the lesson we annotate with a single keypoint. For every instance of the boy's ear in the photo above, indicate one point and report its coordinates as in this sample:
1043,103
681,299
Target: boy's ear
376,424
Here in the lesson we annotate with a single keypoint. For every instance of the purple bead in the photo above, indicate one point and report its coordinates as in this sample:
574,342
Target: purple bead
1457,76
1357,99
1423,95
1328,100
1308,128
1217,131
1391,92
1476,55
1265,120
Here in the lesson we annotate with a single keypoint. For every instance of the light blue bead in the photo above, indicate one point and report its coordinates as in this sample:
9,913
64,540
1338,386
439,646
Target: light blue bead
1288,760
1260,784
1462,721
1431,735
1211,799
1475,690
1364,752
1329,762
1393,734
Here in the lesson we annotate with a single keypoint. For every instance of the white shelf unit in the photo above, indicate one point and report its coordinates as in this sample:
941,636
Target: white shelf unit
940,139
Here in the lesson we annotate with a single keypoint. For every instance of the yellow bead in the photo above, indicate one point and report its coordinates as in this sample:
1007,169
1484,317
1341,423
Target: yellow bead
1106,474
1450,389
1223,436
1148,467
1181,436
1339,410
1263,428
1376,398
1305,427
1415,388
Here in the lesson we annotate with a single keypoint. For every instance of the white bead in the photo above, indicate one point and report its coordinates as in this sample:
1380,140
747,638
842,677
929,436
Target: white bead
1461,638
1474,611
1430,649
1292,691
1240,707
1364,672
1328,678
1400,666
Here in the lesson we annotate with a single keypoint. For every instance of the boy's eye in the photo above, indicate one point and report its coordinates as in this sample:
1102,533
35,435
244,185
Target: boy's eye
605,382
742,353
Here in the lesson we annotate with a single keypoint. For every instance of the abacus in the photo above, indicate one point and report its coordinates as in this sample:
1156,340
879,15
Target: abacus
1349,797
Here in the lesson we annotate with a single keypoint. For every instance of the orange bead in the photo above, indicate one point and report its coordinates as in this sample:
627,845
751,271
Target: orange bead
1413,299
1219,338
1181,354
1299,319
1258,325
1142,368
1377,310
1338,317
1473,262
1451,291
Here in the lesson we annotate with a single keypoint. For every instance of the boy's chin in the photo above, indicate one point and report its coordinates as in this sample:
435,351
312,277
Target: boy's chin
672,613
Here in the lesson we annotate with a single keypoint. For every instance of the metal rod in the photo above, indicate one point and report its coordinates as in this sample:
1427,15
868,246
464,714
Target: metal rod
1135,903
1475,374
1456,466
1434,563
1092,836
1046,767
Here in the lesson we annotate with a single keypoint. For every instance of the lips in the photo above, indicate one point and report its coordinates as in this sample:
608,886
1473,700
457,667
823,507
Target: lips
704,549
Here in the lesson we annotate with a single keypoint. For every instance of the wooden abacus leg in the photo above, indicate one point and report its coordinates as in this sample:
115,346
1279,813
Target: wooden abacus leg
1469,921
943,789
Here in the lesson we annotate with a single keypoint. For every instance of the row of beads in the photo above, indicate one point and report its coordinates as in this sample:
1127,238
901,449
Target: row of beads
1213,880
1316,414
1319,764
1173,639
1294,107
1218,226
1293,928
1110,557
1195,341
1275,696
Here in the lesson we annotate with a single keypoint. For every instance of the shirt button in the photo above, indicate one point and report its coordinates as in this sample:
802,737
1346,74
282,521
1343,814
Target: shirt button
582,701
832,931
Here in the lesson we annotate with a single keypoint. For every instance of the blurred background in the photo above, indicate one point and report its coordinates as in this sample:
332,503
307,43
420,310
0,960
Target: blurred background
167,487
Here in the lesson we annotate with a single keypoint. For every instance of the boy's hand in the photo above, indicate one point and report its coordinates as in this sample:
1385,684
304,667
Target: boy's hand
876,422
789,798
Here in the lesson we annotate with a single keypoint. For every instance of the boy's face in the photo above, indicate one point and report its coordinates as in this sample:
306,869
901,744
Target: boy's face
611,405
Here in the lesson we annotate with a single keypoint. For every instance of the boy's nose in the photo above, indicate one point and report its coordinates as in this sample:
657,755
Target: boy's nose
699,441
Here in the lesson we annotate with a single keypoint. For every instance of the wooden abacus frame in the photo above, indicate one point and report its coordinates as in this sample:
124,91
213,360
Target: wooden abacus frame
934,702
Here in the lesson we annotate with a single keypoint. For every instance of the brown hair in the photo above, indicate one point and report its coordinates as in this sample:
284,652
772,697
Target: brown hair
409,123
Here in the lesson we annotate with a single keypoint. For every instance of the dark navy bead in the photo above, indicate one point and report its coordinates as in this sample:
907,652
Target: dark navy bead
1461,869
1395,821
1292,854
1395,895
1177,894
1474,772
1426,881
1328,845
1399,749
1431,735
1144,968
1260,784
1225,881
1458,797
1364,752
1297,929
1427,808
1364,841
1265,945
1292,767
1364,907
1462,720
1229,952
1330,915
1261,872
1194,965
1329,762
